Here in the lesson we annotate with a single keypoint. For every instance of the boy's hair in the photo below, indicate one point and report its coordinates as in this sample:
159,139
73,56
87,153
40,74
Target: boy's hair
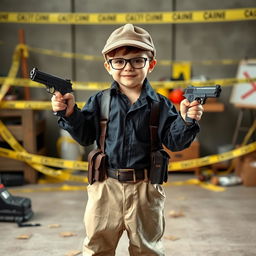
129,35
129,49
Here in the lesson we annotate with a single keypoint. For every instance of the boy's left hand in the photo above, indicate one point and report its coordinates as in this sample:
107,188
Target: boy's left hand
193,110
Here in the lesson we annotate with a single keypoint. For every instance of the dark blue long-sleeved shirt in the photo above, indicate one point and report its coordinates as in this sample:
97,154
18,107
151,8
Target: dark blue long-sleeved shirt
127,142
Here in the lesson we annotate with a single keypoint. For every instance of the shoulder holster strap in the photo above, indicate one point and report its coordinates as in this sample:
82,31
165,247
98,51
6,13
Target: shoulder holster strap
154,123
104,115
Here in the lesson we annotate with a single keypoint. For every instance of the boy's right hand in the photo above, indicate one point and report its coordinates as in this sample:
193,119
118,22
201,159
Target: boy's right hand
62,102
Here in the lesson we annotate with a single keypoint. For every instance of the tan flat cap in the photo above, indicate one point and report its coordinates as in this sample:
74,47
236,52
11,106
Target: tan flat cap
129,35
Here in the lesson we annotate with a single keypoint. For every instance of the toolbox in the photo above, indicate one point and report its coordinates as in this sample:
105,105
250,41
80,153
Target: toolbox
14,208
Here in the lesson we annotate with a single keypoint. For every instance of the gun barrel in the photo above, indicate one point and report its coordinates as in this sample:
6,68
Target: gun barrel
202,93
59,84
209,91
33,73
218,90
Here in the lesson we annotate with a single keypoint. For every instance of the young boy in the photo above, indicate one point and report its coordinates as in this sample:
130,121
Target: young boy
126,199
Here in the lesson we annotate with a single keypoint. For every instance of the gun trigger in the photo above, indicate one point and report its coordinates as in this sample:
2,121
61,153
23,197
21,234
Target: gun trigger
200,101
51,90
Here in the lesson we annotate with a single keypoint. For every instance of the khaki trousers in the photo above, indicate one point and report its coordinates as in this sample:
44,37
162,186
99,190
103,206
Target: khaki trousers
113,207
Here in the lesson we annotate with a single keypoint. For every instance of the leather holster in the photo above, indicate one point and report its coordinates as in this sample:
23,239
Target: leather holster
96,166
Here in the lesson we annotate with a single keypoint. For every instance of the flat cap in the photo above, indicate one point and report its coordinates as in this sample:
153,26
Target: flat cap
129,35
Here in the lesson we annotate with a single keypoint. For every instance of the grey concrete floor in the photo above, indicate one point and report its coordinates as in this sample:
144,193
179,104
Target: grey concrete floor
214,223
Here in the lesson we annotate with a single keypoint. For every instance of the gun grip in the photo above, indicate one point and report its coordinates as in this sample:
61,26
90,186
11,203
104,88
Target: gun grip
60,113
189,120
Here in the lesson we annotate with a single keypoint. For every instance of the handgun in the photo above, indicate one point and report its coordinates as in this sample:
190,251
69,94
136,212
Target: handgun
201,94
52,84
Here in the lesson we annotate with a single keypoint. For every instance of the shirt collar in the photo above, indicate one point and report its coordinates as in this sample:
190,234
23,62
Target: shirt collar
114,87
147,90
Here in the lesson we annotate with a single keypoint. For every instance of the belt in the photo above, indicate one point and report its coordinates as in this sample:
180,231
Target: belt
128,175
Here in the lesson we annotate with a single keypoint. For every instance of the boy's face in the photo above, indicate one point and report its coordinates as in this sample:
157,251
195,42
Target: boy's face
130,77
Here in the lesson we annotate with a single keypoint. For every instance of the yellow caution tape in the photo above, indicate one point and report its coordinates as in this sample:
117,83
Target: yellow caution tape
180,84
211,187
33,160
68,55
95,86
212,159
19,154
44,160
47,180
186,182
87,57
220,15
8,137
11,74
36,105
59,173
201,62
75,85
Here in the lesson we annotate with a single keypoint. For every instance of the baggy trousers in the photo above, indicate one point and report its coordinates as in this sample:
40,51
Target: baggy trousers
113,207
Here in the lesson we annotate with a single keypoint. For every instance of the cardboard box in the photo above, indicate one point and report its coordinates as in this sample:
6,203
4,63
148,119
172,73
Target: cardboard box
186,154
240,162
246,168
189,153
248,173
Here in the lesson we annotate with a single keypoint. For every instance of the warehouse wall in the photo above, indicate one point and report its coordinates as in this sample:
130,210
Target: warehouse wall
202,41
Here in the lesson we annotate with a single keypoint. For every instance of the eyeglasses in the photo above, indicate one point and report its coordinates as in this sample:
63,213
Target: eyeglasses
136,63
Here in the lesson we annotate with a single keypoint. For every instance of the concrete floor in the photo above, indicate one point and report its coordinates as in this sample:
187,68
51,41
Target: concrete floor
214,223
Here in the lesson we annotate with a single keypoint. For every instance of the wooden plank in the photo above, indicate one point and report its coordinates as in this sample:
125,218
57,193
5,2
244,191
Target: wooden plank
27,133
16,131
245,106
10,112
11,164
214,107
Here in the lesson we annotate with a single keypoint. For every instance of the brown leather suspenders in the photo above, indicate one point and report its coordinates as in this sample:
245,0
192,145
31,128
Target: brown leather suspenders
104,115
153,125
97,159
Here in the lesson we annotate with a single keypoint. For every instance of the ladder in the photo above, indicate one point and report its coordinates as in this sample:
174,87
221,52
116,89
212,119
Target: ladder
244,110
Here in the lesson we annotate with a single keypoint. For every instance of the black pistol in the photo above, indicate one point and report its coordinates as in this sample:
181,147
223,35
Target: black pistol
201,94
52,84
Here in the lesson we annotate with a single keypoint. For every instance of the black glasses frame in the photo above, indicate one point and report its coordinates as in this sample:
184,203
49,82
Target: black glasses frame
130,61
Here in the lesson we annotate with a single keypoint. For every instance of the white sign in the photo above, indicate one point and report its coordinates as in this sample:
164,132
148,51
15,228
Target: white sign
245,93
